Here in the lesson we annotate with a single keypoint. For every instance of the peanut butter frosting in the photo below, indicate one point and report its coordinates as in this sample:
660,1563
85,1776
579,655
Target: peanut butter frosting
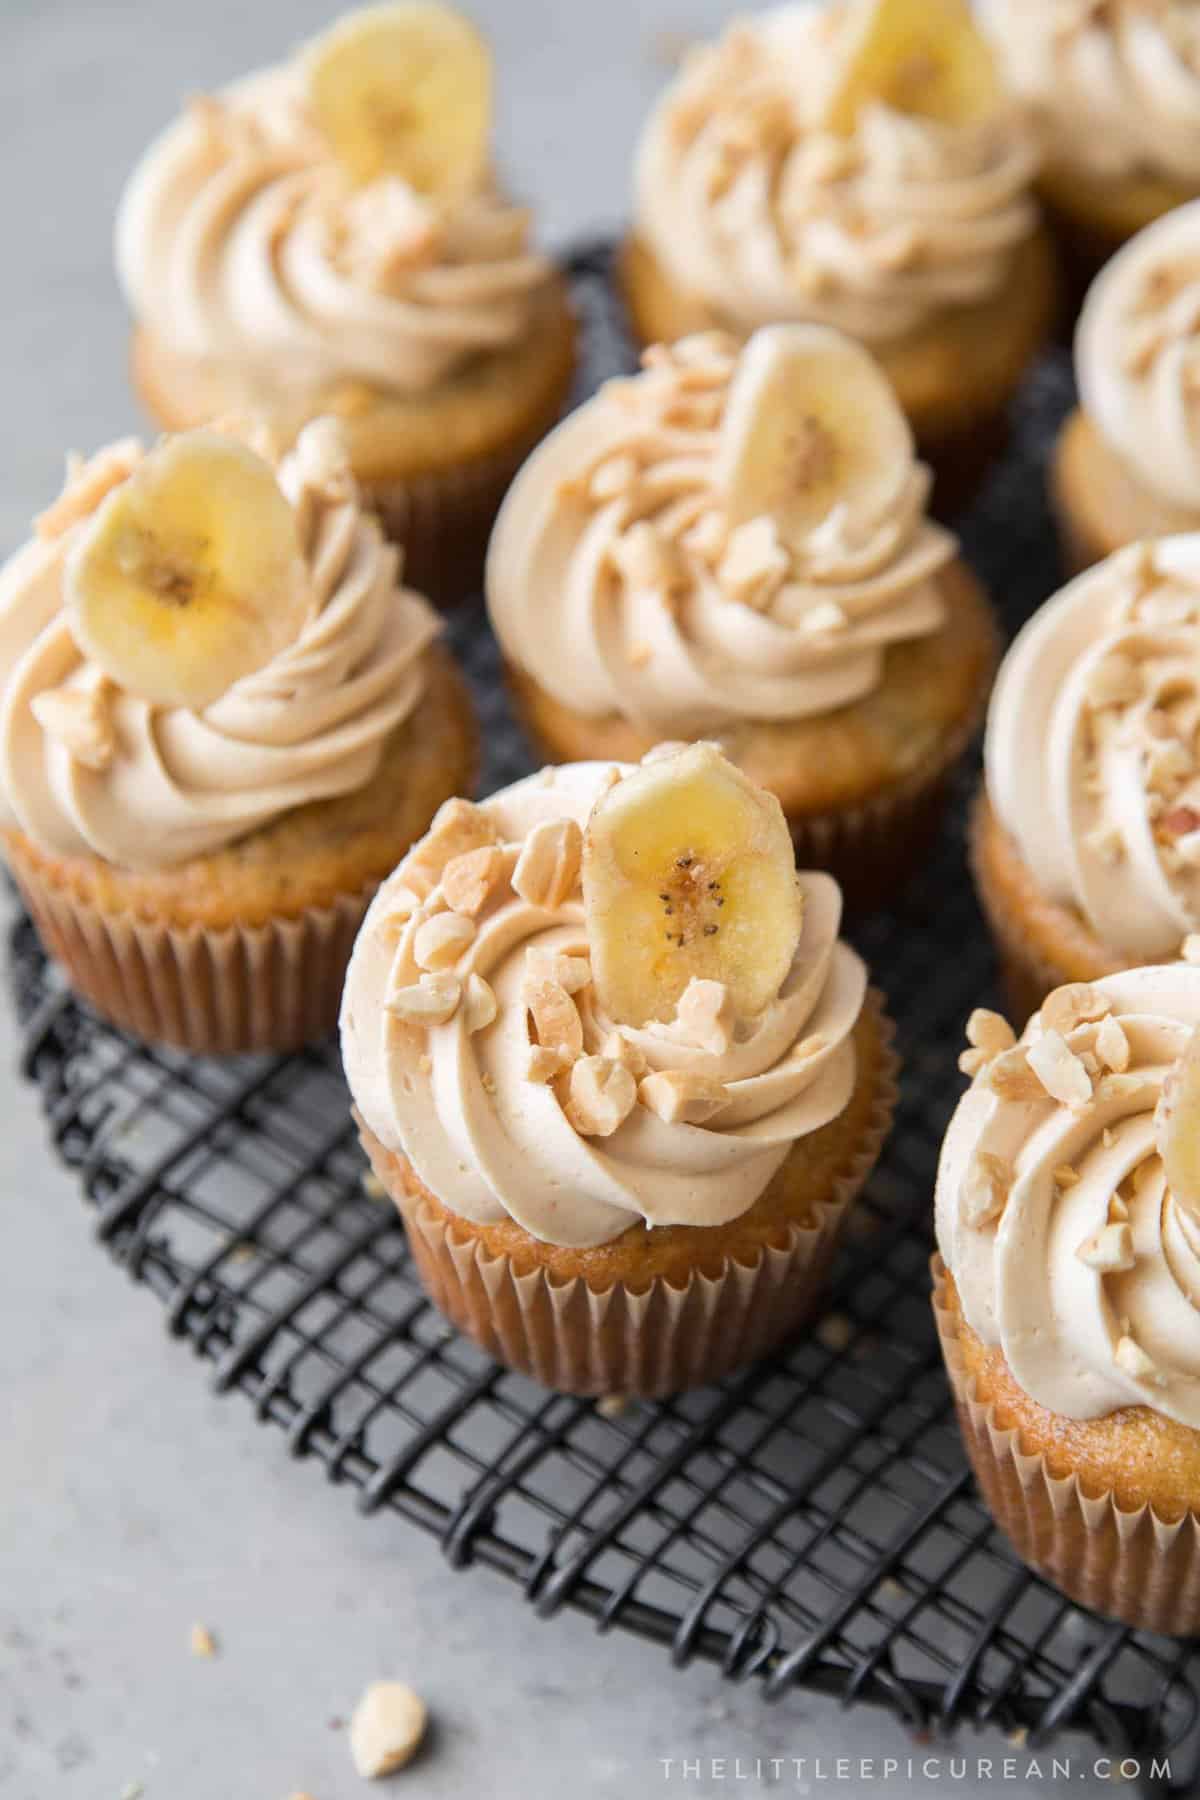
752,205
1137,356
616,580
1093,747
89,769
242,245
1114,85
475,1044
1069,1250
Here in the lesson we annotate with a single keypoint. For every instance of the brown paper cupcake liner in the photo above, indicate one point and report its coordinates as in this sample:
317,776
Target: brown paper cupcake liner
1029,968
214,992
873,849
442,520
1130,1565
644,1343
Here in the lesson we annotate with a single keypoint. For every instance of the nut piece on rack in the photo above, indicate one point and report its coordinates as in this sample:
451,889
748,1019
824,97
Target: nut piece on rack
386,1729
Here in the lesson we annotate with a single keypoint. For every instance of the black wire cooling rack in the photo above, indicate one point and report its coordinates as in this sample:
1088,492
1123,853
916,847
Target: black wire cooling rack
812,1522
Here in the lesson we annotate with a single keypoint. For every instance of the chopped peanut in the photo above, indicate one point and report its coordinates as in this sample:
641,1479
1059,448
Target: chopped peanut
601,1097
681,1097
548,866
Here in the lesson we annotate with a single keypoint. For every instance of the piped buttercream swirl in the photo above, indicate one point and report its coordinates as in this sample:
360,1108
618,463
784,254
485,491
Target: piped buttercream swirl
1137,356
175,782
243,247
751,205
1114,85
617,582
1093,747
457,1100
1068,1250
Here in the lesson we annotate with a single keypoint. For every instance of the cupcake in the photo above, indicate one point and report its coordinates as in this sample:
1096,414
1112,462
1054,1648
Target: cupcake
857,165
617,1071
222,719
328,238
1127,464
1067,1289
733,544
1086,840
1113,87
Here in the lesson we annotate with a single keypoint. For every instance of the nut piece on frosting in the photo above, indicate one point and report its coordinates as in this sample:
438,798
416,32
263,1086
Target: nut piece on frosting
689,873
80,720
404,89
189,575
601,1096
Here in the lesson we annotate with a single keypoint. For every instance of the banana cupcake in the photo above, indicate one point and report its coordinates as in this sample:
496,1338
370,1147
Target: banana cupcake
858,165
618,1072
733,544
1086,841
1113,87
328,237
1127,465
222,719
1067,1289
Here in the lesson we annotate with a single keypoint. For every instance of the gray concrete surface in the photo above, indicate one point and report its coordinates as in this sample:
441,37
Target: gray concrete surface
133,1502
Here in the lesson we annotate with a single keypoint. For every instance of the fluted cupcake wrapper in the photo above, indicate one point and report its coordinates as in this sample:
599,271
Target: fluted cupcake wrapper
214,992
1131,1565
648,1342
1028,971
873,849
442,520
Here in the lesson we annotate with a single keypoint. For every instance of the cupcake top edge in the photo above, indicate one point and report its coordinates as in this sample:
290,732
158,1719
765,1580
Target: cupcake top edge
1092,748
603,996
1114,85
1067,1202
805,165
197,639
333,226
1137,355
732,534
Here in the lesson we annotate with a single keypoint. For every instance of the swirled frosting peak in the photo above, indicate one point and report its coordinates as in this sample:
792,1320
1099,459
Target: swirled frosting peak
476,1045
618,581
244,247
1093,747
1114,85
90,769
1137,355
752,204
1067,1246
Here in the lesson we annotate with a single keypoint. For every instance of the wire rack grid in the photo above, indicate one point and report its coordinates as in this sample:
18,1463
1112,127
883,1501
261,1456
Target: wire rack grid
810,1523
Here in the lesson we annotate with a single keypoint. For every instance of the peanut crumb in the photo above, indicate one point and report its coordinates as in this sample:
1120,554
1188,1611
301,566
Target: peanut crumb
386,1729
1109,1250
202,1641
612,1406
1132,1359
835,1331
1059,1070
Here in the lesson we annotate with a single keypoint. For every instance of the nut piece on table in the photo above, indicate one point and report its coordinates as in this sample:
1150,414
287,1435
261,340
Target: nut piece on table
386,1729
